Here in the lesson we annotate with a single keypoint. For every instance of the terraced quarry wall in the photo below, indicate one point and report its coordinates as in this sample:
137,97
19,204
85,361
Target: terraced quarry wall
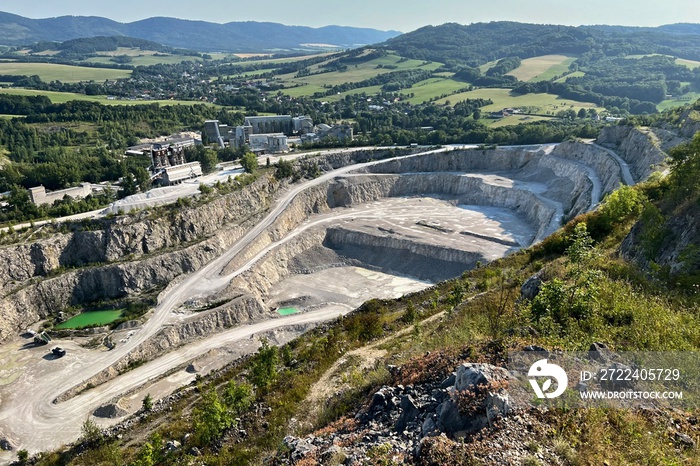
544,186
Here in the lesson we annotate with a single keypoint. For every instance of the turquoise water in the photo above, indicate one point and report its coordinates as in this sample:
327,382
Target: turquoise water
285,311
91,318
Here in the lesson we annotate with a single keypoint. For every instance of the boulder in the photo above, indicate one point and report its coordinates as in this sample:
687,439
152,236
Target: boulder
532,286
472,375
409,413
478,386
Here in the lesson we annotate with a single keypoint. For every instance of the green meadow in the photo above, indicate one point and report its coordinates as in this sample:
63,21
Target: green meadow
64,73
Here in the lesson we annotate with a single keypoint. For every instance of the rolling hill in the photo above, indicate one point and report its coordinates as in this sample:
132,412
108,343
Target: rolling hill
198,35
479,43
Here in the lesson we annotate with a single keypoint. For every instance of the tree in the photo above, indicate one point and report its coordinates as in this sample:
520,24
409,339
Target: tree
285,169
204,189
91,431
237,397
147,402
211,418
23,456
264,368
249,162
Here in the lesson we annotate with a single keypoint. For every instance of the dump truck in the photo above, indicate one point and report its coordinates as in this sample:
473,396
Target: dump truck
42,339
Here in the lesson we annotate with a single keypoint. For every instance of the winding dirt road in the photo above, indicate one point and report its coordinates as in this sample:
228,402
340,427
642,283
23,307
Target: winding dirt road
30,419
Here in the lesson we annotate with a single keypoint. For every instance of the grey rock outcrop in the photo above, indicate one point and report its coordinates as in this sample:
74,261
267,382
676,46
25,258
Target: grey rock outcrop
482,386
531,287
398,418
638,147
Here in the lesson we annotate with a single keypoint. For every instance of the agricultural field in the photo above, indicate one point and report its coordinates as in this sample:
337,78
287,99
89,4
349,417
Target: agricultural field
369,91
359,72
62,97
542,68
515,120
575,74
282,60
685,99
487,66
146,59
543,104
64,73
692,64
423,91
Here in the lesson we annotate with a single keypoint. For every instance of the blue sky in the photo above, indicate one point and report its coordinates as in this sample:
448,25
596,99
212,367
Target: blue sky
402,15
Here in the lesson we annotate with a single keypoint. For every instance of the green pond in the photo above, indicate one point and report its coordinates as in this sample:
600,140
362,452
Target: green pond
85,319
285,311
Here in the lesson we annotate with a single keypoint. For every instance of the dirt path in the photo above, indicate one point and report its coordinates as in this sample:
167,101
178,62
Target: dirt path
335,379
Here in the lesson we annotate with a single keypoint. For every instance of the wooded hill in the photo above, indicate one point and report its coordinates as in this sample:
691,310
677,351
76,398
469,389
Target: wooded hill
199,35
479,43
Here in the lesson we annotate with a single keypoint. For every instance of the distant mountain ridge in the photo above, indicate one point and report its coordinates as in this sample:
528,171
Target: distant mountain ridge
249,36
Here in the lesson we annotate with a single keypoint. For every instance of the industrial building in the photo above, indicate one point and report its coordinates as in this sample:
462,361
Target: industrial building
270,124
169,165
268,134
177,174
39,195
268,143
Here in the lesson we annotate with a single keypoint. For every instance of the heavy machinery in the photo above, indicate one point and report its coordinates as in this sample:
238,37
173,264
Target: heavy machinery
42,339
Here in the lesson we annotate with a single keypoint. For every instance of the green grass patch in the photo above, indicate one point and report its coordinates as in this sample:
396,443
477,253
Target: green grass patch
685,99
64,73
487,66
307,90
692,64
355,73
146,60
542,68
544,104
575,74
428,89
90,318
516,120
62,97
370,91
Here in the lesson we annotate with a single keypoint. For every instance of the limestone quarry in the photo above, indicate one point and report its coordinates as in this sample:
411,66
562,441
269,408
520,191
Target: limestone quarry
374,224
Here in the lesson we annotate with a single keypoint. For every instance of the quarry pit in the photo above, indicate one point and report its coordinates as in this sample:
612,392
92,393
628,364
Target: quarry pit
371,229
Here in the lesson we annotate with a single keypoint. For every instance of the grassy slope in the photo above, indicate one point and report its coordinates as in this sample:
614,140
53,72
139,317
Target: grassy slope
423,91
354,73
148,59
503,98
542,68
64,73
61,97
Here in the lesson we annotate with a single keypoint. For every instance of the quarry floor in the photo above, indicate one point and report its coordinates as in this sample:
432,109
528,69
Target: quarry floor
30,379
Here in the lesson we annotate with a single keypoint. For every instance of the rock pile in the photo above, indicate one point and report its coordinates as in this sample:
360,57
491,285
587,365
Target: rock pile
400,419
